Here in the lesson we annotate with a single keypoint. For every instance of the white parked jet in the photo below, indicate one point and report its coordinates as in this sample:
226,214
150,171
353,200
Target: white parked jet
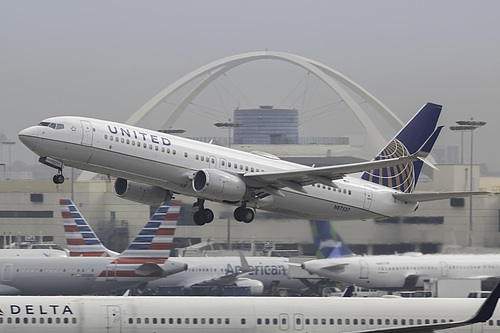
95,314
152,166
257,273
395,272
145,259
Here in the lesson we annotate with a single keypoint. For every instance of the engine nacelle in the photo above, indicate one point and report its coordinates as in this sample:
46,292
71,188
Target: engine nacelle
142,193
256,286
216,184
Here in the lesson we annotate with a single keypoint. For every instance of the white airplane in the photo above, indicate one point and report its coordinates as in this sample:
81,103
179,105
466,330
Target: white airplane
395,272
257,273
145,259
124,314
151,167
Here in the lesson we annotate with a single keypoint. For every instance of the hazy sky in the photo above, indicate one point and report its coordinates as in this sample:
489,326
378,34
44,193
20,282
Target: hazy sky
106,59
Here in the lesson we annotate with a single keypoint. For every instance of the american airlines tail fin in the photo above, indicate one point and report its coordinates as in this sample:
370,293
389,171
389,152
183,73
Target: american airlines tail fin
80,238
417,137
327,241
149,251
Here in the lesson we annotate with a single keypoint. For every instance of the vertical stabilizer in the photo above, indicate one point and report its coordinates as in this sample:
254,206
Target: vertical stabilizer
80,238
408,141
327,241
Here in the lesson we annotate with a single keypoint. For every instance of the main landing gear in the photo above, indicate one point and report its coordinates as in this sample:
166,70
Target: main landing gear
244,214
204,215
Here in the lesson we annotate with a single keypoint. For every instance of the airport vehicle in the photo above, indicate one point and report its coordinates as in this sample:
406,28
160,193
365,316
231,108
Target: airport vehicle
124,314
152,166
405,271
257,273
145,259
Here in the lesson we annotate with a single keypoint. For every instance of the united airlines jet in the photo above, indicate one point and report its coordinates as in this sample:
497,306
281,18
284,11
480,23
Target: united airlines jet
406,271
151,167
124,314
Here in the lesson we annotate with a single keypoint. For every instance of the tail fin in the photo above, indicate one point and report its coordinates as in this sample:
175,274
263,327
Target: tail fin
417,134
80,238
154,242
327,241
146,256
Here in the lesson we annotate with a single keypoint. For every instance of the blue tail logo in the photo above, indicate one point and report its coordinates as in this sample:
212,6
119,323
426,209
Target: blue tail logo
327,241
419,133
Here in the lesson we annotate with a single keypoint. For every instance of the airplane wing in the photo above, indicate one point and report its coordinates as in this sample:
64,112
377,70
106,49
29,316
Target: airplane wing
483,314
431,196
296,179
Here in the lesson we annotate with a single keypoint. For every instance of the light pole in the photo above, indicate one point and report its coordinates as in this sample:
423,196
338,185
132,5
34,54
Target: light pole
9,144
228,125
469,125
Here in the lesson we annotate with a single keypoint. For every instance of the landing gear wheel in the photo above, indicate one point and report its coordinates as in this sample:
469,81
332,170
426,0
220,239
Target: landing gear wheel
244,214
203,216
58,179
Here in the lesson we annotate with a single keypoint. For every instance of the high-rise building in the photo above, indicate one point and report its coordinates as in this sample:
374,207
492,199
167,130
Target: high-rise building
266,125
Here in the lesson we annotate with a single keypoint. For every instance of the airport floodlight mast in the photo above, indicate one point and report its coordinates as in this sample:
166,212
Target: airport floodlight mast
468,125
228,125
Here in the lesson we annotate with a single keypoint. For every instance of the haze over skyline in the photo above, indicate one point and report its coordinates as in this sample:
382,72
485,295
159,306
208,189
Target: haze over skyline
106,59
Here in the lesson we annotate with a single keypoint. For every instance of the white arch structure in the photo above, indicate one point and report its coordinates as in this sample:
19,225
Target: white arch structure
324,73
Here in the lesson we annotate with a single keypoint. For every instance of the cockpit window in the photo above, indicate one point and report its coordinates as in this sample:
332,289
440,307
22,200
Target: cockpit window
51,125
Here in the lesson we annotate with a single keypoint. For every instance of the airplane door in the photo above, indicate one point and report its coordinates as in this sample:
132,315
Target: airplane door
7,272
114,322
368,197
444,268
283,322
363,269
111,272
87,133
298,322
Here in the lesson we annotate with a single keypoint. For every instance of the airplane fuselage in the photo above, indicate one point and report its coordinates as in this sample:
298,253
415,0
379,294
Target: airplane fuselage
97,314
66,275
391,272
170,162
271,271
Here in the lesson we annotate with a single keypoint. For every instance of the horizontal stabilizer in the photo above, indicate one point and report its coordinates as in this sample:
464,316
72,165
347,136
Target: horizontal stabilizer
431,196
148,268
337,268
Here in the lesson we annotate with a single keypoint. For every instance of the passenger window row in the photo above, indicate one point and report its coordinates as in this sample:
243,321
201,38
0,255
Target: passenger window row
35,320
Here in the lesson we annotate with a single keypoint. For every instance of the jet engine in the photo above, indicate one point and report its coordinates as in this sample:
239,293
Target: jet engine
256,286
142,193
216,184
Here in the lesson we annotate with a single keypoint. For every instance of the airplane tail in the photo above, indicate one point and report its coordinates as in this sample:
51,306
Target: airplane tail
327,241
147,255
80,238
417,137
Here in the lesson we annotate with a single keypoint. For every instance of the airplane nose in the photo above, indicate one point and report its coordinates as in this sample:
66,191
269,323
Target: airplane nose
29,137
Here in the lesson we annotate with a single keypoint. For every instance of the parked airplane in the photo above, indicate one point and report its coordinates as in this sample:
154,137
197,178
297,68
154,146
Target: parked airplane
247,314
400,271
152,166
32,253
258,273
144,260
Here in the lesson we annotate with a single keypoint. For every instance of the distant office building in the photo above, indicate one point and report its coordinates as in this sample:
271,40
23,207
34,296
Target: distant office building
266,125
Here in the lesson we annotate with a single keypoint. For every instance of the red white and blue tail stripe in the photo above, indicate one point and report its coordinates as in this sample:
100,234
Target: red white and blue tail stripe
80,238
151,248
